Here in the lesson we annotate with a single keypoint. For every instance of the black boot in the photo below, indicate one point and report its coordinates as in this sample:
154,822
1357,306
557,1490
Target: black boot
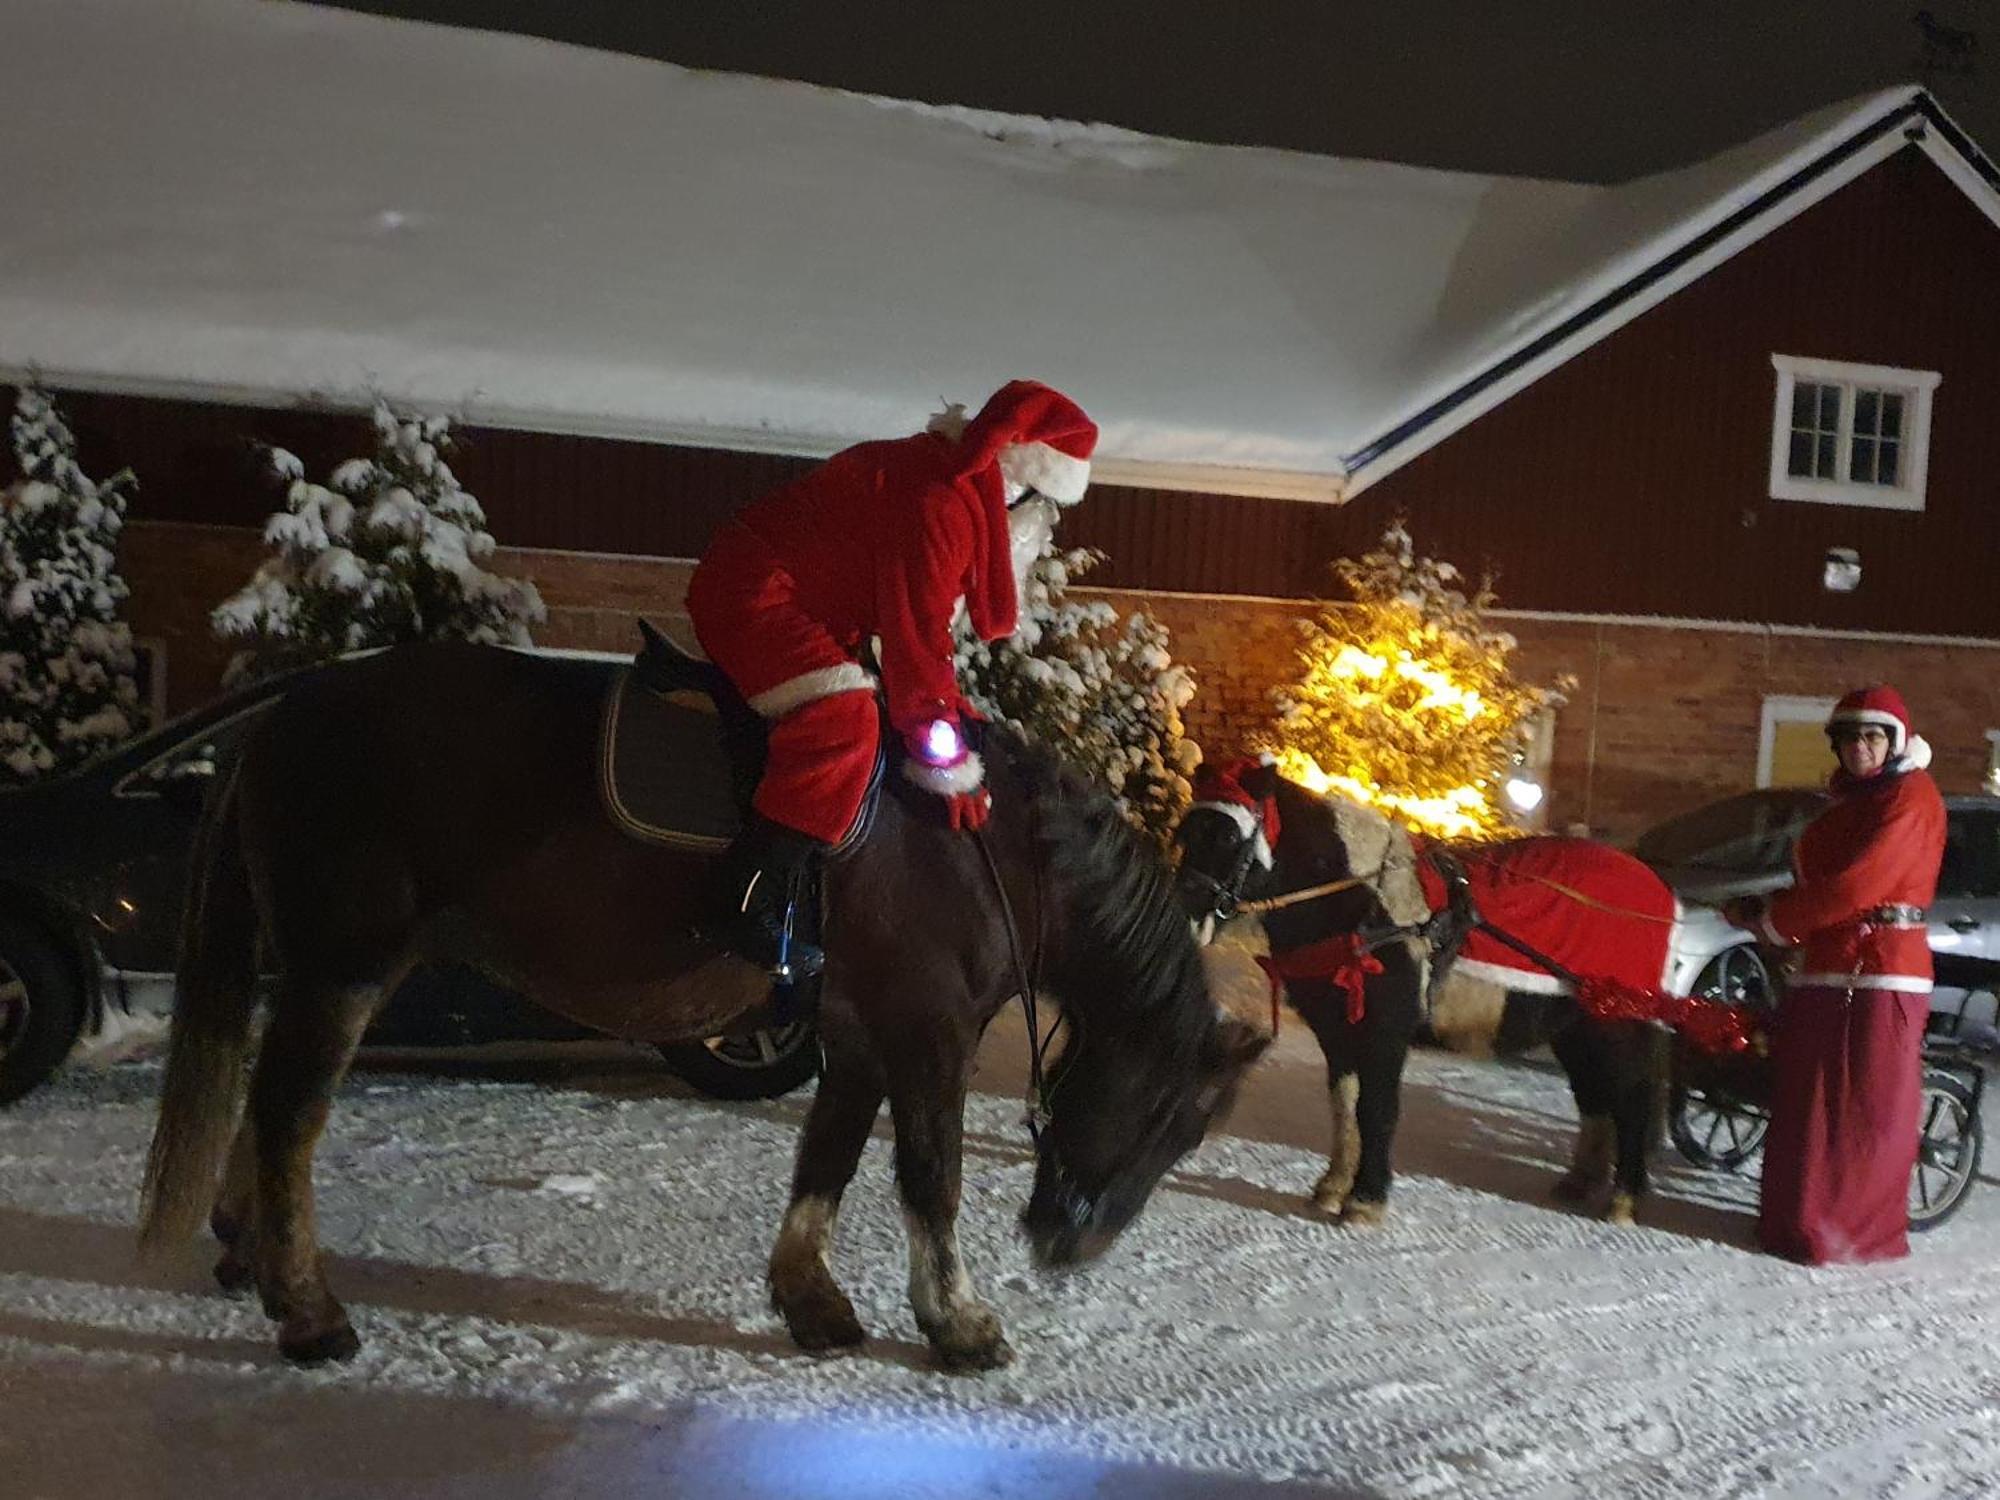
764,875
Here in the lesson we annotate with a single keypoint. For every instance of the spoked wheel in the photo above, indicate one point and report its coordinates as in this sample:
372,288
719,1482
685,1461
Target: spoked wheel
1714,1110
759,1064
1713,1128
1949,1138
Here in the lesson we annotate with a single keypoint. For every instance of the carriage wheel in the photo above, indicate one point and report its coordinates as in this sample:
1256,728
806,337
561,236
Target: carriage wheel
1949,1138
1712,1128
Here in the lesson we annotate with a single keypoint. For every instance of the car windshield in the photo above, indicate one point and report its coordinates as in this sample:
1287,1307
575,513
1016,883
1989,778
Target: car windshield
1752,833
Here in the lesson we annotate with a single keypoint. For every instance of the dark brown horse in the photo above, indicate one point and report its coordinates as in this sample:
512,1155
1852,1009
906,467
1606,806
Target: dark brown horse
438,802
1614,1069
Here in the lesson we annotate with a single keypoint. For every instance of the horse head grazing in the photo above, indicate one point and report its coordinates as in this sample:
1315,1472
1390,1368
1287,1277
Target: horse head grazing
1152,1058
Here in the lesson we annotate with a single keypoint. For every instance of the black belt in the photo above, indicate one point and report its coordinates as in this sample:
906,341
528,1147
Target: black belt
1893,916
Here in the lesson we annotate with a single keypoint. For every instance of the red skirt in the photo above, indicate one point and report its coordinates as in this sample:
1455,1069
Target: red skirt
1847,1091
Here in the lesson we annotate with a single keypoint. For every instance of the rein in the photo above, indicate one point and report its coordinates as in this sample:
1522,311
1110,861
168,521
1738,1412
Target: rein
1026,978
1314,892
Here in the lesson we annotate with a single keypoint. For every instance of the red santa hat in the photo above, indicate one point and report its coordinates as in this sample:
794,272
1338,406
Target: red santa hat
1883,707
1219,788
1035,435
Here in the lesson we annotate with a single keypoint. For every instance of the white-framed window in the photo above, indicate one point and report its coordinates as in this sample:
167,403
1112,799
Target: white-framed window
1791,741
1851,434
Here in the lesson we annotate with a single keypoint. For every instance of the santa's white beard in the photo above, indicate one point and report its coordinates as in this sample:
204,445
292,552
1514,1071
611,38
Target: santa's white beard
1031,525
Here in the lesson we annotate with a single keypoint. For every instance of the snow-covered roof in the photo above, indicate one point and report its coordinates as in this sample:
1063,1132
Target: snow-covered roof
237,200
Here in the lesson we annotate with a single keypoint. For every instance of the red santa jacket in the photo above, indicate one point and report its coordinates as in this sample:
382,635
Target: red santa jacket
881,540
1878,846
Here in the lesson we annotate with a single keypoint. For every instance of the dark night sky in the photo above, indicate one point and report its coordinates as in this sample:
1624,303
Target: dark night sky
1585,89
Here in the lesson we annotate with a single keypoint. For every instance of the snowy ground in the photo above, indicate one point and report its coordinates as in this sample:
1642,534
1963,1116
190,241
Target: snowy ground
557,1269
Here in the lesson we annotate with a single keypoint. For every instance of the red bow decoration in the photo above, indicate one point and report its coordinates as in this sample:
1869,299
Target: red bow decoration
1708,1024
1346,960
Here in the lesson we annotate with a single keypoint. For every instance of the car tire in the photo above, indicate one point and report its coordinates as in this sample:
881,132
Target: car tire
42,1006
759,1064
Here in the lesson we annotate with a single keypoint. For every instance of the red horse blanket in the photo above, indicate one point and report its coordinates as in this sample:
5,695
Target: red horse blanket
1596,911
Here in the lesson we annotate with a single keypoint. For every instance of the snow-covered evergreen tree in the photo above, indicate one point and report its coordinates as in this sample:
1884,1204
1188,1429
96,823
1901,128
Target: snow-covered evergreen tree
67,690
390,549
1102,691
1405,697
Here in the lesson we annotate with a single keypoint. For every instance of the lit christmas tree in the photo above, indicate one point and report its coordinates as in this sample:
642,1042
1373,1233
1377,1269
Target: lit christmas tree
1102,691
1404,698
390,549
67,690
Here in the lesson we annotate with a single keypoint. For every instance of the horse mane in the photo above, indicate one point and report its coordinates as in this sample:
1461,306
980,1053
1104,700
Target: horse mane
1135,939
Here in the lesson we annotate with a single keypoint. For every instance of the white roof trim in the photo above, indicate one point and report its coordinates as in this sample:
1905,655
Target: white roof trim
1954,165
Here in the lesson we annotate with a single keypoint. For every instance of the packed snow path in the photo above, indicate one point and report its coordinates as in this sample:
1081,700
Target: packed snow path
559,1282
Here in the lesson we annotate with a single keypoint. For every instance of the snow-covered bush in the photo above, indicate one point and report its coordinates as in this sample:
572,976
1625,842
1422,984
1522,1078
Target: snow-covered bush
390,549
1102,691
67,690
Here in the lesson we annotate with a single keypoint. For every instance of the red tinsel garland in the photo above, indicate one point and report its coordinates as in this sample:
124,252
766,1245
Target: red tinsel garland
1709,1024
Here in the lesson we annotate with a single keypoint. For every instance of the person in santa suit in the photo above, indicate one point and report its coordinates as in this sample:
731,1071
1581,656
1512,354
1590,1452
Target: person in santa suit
888,540
1846,1048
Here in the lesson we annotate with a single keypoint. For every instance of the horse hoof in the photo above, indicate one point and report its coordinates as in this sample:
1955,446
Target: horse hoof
971,1343
823,1324
236,1279
1357,1215
1622,1210
335,1345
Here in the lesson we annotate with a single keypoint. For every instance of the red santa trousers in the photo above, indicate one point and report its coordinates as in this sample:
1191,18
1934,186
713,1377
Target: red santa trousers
1847,1093
825,726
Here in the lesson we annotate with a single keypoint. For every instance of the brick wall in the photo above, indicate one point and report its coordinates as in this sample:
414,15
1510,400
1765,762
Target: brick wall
1662,719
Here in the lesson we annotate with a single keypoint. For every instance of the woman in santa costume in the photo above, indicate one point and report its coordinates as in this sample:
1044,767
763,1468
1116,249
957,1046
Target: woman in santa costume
886,540
1846,1047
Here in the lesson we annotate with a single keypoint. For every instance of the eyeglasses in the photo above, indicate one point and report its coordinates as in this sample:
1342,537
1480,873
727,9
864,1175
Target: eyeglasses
1858,735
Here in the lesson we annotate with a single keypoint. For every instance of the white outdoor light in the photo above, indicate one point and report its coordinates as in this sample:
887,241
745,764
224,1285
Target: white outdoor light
1843,570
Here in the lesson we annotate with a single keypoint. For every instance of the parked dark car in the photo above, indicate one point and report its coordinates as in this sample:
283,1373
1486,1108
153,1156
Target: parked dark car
1742,845
92,869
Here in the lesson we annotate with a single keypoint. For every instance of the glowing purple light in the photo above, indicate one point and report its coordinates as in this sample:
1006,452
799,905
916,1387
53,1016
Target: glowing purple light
941,742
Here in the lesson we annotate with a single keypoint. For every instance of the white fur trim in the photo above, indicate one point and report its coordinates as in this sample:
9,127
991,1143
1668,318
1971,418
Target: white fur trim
1771,934
1051,471
1248,824
1901,984
1919,754
945,781
1673,947
1898,730
1527,981
809,687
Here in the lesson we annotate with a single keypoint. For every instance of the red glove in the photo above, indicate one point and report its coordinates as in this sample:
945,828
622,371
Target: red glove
968,811
940,763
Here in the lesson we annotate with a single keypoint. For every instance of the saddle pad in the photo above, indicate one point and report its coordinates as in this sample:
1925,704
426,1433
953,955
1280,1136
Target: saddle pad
662,772
1595,910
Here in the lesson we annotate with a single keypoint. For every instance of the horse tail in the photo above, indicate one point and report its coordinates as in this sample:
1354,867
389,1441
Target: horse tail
209,1048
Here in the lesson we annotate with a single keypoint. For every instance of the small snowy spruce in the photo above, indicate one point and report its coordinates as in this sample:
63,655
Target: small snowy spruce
67,690
1406,693
390,549
1103,692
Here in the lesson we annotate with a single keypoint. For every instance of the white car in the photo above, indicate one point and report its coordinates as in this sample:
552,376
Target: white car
1742,846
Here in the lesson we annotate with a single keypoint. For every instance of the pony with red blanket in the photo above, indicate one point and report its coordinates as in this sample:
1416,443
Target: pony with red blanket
1378,936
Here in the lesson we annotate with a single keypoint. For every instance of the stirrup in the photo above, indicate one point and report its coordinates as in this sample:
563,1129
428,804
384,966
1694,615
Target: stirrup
770,943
